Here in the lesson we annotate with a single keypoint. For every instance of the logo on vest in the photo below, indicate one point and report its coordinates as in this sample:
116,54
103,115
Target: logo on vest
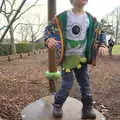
75,29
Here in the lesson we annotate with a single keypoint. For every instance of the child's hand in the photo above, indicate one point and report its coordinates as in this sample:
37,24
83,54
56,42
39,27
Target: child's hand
102,51
51,42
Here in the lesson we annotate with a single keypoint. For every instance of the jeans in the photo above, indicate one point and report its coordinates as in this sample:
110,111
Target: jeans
83,80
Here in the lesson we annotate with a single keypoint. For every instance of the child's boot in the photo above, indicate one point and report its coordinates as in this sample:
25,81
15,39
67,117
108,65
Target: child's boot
88,112
57,110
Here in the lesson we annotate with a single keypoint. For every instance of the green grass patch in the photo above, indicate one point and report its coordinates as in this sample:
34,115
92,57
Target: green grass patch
116,50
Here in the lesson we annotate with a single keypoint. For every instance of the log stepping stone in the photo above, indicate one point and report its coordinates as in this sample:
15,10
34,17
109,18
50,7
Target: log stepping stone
42,110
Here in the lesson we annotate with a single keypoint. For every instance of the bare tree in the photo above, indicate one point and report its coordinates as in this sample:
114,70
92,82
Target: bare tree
106,26
10,11
30,31
23,31
113,19
36,29
117,14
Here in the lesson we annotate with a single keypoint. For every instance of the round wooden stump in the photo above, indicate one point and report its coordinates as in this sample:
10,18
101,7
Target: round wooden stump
42,110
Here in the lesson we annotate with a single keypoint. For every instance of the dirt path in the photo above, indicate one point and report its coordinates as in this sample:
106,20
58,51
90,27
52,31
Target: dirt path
22,81
106,86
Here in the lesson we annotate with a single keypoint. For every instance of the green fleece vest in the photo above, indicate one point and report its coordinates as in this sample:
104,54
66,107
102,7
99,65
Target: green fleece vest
90,34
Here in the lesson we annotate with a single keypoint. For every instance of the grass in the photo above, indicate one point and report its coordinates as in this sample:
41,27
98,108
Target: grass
116,50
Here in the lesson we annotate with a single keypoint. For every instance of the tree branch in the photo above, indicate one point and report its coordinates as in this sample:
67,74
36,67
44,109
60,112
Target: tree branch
3,9
27,9
3,27
2,5
13,19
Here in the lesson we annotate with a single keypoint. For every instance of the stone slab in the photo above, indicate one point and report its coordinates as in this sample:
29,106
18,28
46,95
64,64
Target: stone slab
42,110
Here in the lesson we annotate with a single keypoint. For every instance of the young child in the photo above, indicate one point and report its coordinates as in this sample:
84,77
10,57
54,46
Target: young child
78,29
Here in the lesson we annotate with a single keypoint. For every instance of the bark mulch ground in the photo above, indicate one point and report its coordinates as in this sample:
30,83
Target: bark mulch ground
22,81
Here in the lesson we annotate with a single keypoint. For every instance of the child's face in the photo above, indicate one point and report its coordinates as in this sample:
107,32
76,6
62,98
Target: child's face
79,3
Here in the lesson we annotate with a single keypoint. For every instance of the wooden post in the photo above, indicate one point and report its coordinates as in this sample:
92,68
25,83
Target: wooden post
51,9
52,68
51,52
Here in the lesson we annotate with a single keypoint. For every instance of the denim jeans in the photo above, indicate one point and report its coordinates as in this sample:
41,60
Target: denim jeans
83,79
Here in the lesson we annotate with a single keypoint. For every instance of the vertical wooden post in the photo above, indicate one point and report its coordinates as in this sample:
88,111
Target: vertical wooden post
51,9
51,52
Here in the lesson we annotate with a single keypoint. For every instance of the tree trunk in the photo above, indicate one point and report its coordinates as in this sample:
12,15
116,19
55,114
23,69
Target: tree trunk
12,42
116,34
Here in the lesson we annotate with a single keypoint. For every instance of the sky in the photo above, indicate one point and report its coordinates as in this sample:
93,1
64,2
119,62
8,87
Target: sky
98,8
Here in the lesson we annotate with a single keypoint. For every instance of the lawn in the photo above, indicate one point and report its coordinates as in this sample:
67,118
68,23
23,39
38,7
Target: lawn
116,50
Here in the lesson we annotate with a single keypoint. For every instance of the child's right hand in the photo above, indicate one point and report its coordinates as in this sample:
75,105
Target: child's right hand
51,42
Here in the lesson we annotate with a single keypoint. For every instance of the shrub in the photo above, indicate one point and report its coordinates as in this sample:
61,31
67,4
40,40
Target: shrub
20,48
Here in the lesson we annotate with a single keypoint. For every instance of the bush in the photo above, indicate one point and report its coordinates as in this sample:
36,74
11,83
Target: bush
20,48
4,49
23,47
